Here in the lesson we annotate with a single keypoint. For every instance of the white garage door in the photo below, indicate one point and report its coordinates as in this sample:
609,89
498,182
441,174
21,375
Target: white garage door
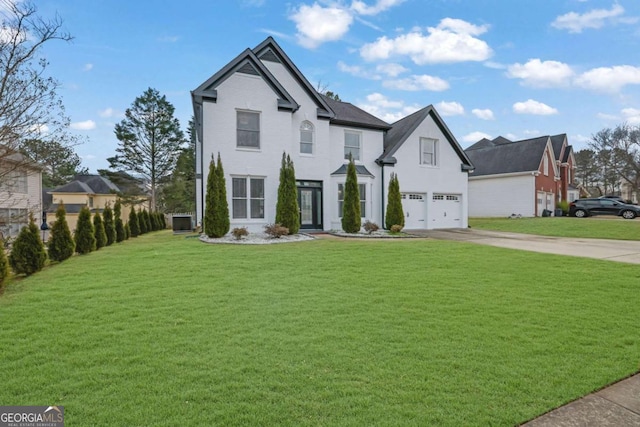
446,211
414,211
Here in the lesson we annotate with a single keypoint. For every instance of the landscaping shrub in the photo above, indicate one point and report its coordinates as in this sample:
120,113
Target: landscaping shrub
28,255
84,235
109,225
127,231
370,227
119,224
275,230
98,231
396,228
61,245
155,224
351,206
4,266
216,219
163,222
564,205
147,218
394,214
287,211
240,232
134,225
142,221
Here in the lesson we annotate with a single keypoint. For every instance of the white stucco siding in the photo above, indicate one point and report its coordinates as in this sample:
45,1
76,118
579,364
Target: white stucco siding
502,196
446,177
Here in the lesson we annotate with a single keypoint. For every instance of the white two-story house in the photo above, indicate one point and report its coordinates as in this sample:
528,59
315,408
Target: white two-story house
260,105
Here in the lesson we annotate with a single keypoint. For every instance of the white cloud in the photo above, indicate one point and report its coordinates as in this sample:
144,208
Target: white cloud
450,108
475,137
541,73
86,125
579,139
317,24
596,18
531,132
380,6
391,69
87,67
453,40
110,112
485,114
631,115
415,83
356,70
495,65
40,129
605,116
386,109
609,79
533,107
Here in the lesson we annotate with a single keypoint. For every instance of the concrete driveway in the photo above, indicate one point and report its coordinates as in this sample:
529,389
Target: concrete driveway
611,250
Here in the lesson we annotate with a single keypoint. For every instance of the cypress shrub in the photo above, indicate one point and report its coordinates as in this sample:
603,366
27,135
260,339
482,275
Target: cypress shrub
210,201
163,221
351,207
28,255
85,235
394,214
61,245
119,224
109,226
127,231
142,221
4,265
155,221
287,211
216,219
147,217
98,230
134,225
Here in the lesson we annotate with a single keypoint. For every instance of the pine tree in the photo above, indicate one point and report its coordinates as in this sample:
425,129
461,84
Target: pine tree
351,221
287,211
4,266
85,235
394,214
134,225
61,245
99,232
28,255
109,226
142,221
119,224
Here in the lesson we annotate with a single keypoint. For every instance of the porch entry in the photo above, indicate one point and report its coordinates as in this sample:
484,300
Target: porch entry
310,204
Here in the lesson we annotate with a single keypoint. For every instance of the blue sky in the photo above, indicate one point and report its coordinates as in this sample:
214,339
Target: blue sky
516,68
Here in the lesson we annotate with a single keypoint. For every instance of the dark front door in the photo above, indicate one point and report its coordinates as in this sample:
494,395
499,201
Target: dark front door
310,204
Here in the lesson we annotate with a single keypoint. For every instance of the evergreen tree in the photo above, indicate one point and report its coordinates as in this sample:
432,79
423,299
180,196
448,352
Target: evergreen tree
99,232
211,203
109,226
127,231
4,266
394,214
119,224
61,245
134,225
216,220
155,221
147,218
351,206
287,211
142,221
85,235
163,222
28,255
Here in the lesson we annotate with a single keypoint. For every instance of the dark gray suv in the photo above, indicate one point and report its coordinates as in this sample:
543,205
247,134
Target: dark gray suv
587,207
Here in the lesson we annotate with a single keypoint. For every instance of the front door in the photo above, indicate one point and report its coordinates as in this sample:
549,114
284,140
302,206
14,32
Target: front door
310,204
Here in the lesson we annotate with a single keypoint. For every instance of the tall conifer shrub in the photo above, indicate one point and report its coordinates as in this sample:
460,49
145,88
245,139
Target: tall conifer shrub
109,225
61,245
287,211
28,255
98,230
84,235
351,221
394,214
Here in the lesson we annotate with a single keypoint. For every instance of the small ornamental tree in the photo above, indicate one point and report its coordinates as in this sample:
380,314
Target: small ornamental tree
109,226
119,224
98,231
127,231
134,225
287,212
394,214
142,221
84,235
4,266
351,206
28,255
216,219
61,245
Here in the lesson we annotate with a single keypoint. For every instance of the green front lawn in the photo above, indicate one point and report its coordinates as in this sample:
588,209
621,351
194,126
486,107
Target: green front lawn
593,227
167,331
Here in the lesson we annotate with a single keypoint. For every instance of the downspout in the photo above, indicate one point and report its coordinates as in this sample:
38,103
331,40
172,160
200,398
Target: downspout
382,198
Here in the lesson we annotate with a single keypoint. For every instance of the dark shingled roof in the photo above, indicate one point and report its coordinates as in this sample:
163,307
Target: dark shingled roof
348,114
518,156
360,170
484,143
556,143
71,208
90,184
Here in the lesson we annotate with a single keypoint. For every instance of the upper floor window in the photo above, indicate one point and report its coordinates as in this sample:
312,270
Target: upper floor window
248,129
352,144
90,201
428,151
306,138
14,181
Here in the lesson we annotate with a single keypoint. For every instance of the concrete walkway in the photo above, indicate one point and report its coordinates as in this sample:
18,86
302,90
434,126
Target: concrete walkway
613,250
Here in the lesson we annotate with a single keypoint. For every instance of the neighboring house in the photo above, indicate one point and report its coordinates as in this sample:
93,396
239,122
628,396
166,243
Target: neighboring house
260,105
520,177
20,193
93,191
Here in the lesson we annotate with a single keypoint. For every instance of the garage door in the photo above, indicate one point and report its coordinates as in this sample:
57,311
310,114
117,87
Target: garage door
414,211
446,211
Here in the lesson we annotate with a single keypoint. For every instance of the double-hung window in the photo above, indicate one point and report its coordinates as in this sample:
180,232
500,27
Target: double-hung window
352,144
14,181
247,198
362,188
248,129
306,138
428,151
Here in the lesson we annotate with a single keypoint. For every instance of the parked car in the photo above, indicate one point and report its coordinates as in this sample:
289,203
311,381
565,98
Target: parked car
599,206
